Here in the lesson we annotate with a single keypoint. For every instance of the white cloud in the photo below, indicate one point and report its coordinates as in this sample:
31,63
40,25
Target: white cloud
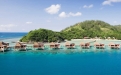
106,3
28,22
7,27
76,14
109,2
86,6
63,14
53,9
90,6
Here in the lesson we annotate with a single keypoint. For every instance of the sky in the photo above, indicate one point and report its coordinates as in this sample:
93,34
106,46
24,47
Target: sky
27,15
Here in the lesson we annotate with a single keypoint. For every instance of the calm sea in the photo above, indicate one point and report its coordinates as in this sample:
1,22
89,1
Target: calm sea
9,35
60,62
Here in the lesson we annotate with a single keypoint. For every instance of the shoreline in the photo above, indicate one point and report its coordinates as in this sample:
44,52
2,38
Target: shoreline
16,39
62,46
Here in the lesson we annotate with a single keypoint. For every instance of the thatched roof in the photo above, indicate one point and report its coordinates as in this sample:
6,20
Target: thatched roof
67,43
87,43
38,43
52,43
82,43
96,43
19,44
3,44
111,43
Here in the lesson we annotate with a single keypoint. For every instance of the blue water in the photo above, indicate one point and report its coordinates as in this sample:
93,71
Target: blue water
8,35
59,62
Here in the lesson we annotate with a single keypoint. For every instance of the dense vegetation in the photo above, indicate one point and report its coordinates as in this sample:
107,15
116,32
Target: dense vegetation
91,28
42,35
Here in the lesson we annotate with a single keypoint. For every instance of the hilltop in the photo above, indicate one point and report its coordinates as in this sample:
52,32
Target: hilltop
92,29
89,28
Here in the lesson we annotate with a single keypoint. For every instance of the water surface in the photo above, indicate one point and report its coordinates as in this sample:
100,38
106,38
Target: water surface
61,63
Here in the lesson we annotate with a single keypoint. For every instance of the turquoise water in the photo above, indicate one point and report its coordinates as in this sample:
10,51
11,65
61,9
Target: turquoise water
63,62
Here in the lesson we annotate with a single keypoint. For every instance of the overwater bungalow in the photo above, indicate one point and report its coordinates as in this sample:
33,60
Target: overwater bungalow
114,46
38,45
69,45
4,46
20,46
85,45
99,45
54,45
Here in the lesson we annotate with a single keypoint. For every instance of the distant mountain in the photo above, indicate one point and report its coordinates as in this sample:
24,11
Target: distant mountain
92,28
89,28
118,27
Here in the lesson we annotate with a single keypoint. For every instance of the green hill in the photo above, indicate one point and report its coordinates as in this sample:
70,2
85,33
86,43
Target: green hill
92,28
89,28
42,35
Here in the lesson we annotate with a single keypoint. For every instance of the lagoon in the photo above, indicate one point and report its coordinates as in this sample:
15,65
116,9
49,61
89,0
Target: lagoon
62,62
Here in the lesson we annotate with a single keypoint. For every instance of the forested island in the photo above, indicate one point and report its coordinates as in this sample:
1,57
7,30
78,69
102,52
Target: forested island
89,28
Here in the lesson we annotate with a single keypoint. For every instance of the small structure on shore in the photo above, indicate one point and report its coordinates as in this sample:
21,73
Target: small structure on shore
114,46
109,38
86,37
20,46
99,45
38,45
70,45
85,45
3,46
54,45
